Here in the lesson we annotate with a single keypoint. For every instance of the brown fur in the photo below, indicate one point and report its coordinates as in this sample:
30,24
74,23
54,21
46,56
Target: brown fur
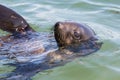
67,33
12,22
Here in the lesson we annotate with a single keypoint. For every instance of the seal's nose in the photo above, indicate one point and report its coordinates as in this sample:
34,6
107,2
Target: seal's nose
58,26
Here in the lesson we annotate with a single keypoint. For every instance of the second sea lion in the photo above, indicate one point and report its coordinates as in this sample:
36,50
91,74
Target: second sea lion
12,22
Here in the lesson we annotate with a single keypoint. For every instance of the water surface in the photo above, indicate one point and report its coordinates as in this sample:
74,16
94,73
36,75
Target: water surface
103,17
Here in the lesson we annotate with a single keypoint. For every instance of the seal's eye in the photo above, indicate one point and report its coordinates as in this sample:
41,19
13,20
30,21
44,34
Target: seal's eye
77,35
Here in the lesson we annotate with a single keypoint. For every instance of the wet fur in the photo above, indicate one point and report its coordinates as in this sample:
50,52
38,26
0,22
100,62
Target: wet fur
64,33
10,21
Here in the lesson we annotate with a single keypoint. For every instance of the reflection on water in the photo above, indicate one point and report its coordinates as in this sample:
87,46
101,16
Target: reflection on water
103,16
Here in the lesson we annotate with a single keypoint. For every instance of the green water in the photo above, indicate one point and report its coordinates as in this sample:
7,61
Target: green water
102,15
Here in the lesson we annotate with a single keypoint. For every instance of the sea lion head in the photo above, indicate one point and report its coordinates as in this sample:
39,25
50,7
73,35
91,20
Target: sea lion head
66,33
18,24
69,33
12,22
21,27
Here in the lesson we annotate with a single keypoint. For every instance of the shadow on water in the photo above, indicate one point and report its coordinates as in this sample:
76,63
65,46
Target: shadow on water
25,70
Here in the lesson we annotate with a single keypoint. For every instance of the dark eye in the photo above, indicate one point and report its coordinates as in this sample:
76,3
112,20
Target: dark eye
77,35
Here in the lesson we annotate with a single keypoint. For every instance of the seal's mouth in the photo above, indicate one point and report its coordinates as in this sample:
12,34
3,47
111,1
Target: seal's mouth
21,31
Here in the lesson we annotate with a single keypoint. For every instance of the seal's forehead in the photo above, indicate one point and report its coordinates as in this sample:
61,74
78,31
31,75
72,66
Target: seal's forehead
68,25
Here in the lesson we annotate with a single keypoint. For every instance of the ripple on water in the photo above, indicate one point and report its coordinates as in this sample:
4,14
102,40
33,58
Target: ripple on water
105,32
20,4
101,3
104,63
117,69
112,10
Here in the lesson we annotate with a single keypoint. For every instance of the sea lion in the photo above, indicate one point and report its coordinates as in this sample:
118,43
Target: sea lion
47,54
68,33
12,22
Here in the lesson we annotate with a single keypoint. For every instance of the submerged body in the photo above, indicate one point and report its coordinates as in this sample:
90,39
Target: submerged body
35,43
12,22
